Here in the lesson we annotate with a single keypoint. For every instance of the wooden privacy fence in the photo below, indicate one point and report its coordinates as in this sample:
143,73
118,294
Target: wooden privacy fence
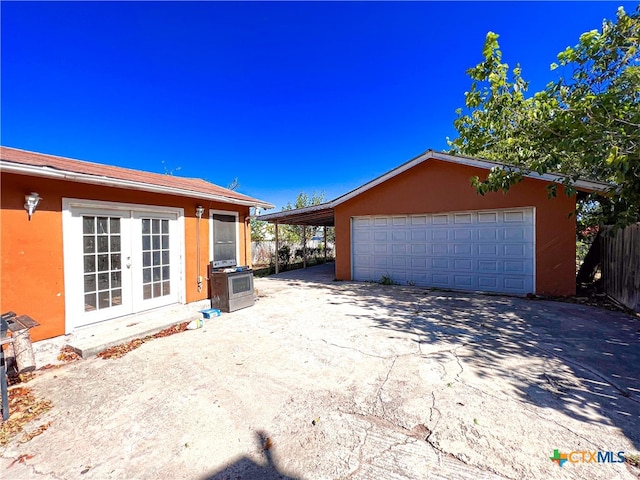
621,265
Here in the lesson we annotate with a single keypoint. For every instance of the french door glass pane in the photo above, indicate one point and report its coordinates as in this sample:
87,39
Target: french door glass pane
101,252
88,224
155,258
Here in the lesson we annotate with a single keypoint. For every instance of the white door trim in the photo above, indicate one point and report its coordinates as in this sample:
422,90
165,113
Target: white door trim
72,244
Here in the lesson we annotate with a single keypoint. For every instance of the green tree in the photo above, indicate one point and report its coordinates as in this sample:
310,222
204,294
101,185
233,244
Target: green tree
260,230
585,124
293,234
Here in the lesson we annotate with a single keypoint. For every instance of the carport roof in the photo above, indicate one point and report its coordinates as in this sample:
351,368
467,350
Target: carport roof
323,214
317,215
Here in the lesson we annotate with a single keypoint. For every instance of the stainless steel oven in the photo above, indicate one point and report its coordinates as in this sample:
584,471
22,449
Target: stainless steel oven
231,289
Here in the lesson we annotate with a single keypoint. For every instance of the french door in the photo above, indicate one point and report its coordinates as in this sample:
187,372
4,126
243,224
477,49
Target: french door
119,261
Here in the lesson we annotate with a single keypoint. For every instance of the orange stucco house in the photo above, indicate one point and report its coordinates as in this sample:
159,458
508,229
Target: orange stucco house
106,242
423,224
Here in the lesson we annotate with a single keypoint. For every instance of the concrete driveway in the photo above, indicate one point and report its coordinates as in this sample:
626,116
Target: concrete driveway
324,379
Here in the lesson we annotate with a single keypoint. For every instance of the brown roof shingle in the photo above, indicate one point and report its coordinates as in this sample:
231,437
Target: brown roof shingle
185,186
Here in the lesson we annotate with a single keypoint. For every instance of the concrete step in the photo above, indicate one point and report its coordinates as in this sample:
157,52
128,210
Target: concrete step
90,340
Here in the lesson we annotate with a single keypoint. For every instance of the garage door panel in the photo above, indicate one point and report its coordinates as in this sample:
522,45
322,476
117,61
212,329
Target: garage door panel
462,249
361,221
418,263
514,266
419,249
463,264
486,250
399,276
362,248
379,236
362,260
440,263
400,248
514,216
514,284
487,217
488,283
487,234
419,278
379,261
399,236
397,262
463,281
440,249
462,234
516,233
381,248
361,236
487,266
514,249
462,218
441,279
418,235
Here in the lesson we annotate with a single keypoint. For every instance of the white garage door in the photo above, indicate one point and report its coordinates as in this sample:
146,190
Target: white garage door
489,251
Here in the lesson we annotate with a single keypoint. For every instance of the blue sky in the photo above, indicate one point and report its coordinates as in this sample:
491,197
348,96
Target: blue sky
285,96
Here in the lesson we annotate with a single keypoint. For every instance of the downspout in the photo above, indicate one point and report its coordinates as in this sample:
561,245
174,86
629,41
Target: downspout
248,245
199,212
277,248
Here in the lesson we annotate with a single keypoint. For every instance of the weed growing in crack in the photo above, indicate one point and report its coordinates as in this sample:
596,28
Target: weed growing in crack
387,280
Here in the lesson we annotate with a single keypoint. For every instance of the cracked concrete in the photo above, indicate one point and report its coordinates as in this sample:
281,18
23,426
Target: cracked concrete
353,381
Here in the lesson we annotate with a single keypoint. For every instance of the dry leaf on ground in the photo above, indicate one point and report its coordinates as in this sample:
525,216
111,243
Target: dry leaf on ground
23,408
21,459
68,354
124,348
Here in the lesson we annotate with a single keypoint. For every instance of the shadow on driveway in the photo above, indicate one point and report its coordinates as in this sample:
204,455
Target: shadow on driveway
580,360
248,468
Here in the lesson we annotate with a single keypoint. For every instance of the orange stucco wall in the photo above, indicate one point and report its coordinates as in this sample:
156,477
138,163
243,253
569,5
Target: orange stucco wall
32,270
436,186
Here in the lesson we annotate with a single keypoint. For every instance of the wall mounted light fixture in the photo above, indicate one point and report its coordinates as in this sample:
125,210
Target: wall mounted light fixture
31,202
199,211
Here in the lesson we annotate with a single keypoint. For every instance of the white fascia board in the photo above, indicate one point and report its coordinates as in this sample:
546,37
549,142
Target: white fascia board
549,177
127,184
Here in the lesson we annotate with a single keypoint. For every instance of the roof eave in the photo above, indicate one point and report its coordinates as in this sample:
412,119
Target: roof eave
549,177
472,162
47,172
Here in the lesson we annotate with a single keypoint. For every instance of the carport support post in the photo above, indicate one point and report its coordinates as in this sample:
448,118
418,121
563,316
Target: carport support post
325,243
277,248
304,246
